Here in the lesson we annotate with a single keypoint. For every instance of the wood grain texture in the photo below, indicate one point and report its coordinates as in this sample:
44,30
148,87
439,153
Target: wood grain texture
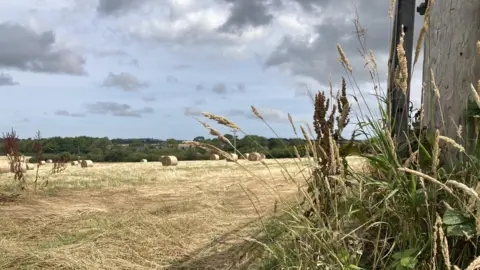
451,54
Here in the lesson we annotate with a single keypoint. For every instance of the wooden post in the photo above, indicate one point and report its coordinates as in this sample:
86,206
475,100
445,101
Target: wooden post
404,21
450,53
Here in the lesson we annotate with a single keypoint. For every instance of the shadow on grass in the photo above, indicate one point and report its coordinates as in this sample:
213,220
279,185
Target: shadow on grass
219,254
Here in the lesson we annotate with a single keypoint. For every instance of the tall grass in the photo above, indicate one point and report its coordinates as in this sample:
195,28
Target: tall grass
401,213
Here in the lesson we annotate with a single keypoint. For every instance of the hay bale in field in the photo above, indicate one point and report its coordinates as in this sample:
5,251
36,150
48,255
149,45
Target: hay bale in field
4,167
254,156
74,163
214,157
244,156
49,161
161,158
170,161
87,163
31,166
263,156
43,162
233,159
144,161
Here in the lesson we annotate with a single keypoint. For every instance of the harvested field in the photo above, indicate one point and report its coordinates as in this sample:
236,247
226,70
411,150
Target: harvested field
140,215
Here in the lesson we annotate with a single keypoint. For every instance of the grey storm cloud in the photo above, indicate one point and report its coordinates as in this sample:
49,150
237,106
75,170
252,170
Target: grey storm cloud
67,113
319,58
24,49
124,81
116,109
246,13
6,79
118,7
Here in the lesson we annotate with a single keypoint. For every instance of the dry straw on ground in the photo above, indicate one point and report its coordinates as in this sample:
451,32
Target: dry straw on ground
87,163
170,161
140,216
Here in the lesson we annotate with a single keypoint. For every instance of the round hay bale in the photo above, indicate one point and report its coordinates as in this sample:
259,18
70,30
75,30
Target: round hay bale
49,161
243,156
43,162
31,166
14,166
144,161
254,156
4,167
263,156
87,163
161,158
170,161
214,157
233,159
74,163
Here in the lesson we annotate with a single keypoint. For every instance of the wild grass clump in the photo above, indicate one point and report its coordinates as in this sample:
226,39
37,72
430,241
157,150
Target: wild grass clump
404,212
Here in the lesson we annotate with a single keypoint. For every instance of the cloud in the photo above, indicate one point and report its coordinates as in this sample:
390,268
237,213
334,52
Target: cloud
171,79
149,99
315,54
199,87
109,53
116,109
198,27
200,101
220,88
269,114
182,66
192,111
124,81
241,87
24,49
6,79
246,13
118,7
66,113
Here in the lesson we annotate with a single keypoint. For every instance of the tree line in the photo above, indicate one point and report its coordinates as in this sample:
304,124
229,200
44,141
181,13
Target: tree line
135,149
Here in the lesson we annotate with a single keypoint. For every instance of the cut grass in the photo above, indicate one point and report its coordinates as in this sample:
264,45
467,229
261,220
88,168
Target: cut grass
141,215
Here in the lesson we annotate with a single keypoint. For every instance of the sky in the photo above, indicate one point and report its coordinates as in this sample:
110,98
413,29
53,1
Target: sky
146,68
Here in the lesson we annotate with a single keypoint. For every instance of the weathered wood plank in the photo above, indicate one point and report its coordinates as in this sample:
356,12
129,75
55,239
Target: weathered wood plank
449,51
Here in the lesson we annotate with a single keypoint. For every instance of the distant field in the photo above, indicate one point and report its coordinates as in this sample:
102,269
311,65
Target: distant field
141,215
